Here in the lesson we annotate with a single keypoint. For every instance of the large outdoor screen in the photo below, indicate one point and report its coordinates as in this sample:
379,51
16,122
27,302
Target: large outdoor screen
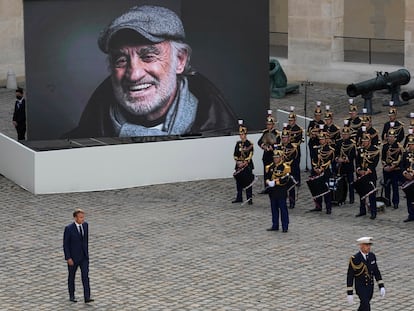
123,68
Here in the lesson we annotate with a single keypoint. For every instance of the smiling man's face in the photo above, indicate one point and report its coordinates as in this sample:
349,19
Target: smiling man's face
144,77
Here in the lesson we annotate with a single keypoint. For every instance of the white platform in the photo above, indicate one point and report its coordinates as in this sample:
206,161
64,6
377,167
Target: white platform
120,166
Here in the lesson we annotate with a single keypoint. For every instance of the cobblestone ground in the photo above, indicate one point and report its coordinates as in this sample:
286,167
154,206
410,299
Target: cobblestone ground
185,246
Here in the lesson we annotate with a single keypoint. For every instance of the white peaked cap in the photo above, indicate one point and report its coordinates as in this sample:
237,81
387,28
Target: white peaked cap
365,240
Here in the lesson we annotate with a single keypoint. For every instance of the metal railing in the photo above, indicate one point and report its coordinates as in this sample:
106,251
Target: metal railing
356,49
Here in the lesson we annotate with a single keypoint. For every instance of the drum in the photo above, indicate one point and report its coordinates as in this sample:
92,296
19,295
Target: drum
339,189
408,188
318,186
245,177
365,186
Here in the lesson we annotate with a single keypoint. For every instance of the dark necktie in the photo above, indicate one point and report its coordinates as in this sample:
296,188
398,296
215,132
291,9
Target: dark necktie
81,231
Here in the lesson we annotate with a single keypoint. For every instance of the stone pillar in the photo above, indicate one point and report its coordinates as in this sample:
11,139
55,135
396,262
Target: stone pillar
312,27
409,36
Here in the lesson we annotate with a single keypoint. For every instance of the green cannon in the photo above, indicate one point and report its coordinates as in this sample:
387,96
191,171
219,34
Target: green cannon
391,81
278,81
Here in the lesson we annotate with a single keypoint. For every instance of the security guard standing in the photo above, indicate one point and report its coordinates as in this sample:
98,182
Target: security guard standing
313,130
291,157
321,163
296,138
277,178
367,159
407,165
391,157
345,154
393,123
362,270
332,131
243,154
270,137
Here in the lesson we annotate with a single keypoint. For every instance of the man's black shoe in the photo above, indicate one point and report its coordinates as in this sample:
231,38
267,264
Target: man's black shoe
272,229
315,210
291,206
329,212
395,206
351,202
359,215
373,217
236,201
250,202
89,300
73,299
285,230
408,220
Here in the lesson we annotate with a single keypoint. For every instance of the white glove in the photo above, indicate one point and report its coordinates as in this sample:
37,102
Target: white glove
350,299
382,292
271,183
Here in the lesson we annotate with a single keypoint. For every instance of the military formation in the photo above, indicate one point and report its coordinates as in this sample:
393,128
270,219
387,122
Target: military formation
344,162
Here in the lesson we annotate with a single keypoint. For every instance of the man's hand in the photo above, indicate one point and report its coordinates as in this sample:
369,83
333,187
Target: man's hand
271,183
70,262
15,123
382,292
350,299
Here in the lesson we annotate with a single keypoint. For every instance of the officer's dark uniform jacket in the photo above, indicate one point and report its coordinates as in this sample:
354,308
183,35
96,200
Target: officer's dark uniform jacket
363,272
398,127
346,149
354,124
243,151
392,155
214,115
322,159
265,139
279,173
333,133
313,127
368,158
296,134
291,153
373,134
407,161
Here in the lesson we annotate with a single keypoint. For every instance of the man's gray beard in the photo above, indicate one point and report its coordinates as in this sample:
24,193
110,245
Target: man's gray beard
142,108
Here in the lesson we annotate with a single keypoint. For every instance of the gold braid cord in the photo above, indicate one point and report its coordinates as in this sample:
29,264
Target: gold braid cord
359,269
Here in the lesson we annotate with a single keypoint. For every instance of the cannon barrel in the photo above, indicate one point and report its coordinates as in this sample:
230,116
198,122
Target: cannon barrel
406,96
382,81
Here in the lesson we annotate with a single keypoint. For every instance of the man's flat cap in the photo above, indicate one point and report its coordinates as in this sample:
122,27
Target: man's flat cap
154,23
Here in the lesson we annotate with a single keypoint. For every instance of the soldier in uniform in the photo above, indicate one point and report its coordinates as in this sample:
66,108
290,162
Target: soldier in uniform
243,154
321,163
332,130
391,156
354,120
410,130
333,133
367,159
345,154
367,128
407,165
394,124
277,177
296,138
291,157
363,269
270,137
314,128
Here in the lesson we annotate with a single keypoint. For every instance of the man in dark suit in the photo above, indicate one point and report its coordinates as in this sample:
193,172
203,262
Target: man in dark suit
19,114
363,269
75,246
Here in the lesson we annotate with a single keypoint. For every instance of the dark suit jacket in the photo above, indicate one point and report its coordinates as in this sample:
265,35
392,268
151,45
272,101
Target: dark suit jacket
74,246
19,114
